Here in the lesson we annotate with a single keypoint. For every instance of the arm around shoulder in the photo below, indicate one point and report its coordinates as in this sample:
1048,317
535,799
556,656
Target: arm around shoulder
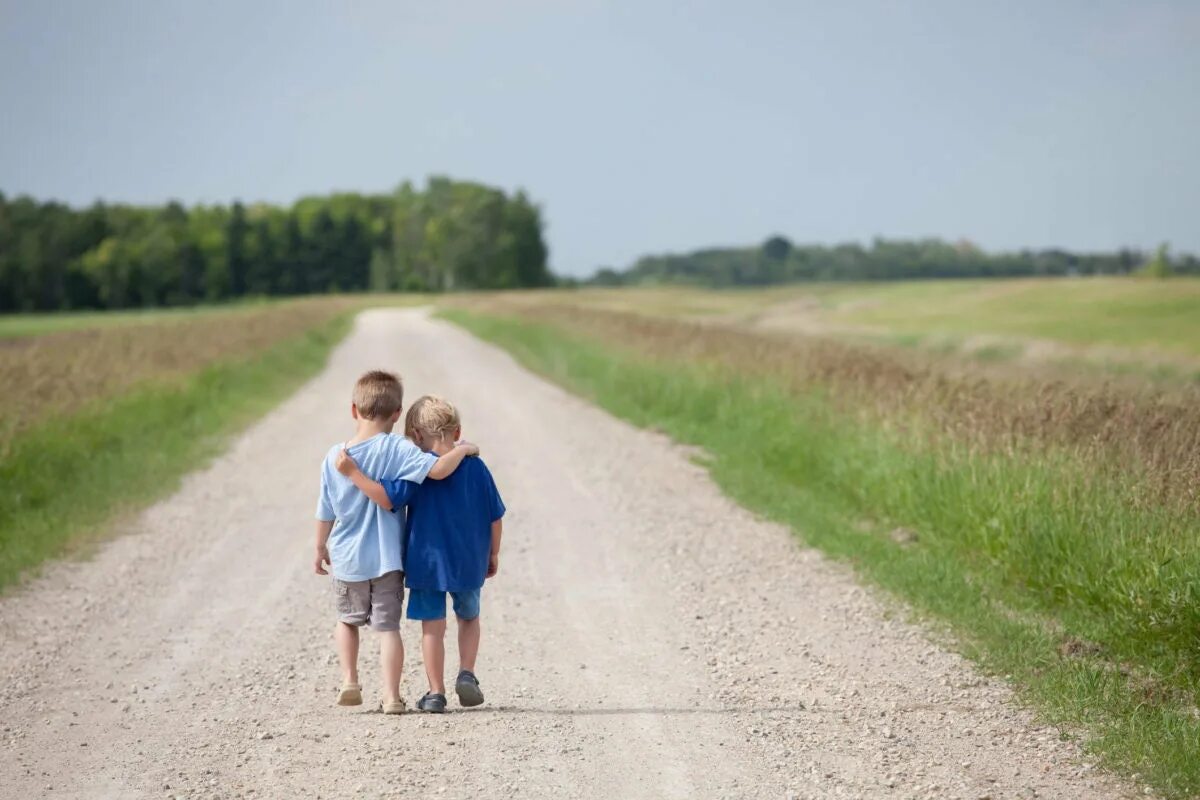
445,465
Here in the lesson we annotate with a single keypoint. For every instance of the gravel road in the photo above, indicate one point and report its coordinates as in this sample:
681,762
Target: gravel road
645,637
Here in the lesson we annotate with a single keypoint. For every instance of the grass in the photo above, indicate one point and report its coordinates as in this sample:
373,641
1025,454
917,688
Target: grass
68,474
1048,570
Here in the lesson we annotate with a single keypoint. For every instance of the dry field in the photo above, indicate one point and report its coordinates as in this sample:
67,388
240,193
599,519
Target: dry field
58,372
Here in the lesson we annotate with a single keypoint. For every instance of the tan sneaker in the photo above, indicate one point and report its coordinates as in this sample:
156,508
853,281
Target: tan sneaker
350,695
395,707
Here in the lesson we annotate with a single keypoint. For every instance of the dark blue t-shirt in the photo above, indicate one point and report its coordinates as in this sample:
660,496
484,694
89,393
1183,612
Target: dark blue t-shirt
449,527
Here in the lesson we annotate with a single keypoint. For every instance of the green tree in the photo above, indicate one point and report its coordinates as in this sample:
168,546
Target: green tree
1160,265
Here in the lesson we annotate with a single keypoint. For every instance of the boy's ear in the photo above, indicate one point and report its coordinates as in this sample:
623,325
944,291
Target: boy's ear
396,417
354,410
458,433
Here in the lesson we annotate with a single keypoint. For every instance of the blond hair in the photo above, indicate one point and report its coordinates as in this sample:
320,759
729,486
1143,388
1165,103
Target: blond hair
431,416
378,395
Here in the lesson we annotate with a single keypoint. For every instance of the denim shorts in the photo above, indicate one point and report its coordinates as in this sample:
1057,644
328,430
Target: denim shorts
429,604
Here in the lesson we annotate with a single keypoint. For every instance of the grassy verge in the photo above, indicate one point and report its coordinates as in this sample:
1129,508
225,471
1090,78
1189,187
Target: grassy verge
67,478
1086,598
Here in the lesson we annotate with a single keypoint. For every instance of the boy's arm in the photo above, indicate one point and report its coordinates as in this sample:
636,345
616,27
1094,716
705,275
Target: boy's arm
372,489
494,556
389,495
445,465
324,528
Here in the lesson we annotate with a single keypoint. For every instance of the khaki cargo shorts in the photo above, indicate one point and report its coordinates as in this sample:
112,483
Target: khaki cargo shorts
376,602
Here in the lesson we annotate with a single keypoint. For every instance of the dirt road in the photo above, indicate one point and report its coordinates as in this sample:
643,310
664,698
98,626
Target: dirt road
644,638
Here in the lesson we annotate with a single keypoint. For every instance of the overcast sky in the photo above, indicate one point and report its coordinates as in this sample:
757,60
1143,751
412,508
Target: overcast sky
640,126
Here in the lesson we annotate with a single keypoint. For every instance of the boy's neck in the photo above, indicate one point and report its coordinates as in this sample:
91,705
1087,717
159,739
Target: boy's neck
441,447
367,428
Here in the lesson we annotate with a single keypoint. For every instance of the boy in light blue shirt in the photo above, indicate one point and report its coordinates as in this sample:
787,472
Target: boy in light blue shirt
453,535
361,543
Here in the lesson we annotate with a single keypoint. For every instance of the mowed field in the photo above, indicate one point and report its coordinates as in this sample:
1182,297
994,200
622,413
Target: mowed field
1119,323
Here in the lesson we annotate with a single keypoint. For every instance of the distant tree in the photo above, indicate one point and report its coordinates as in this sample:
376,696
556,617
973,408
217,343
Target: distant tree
607,276
292,276
262,271
777,248
1160,265
235,250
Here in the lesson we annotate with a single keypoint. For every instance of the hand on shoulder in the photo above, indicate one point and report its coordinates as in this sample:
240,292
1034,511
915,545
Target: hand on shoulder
344,463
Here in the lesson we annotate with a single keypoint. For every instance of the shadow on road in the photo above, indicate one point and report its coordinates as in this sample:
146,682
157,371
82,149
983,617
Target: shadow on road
602,712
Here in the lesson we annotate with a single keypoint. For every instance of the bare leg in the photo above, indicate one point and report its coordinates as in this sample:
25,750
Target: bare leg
347,648
468,643
433,648
391,664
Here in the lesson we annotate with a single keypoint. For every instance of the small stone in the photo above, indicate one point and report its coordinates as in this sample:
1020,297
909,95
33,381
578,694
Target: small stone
265,735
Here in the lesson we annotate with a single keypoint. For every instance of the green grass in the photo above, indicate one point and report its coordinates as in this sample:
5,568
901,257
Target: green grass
1087,600
66,480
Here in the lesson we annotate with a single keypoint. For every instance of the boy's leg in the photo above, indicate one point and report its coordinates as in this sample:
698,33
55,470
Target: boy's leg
466,686
468,643
347,648
387,602
433,649
466,609
429,606
353,605
391,664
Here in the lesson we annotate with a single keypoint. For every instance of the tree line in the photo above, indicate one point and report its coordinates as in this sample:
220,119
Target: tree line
778,260
449,235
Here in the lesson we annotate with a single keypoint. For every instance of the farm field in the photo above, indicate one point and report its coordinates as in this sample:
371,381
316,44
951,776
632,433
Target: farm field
23,325
1052,525
78,388
1122,324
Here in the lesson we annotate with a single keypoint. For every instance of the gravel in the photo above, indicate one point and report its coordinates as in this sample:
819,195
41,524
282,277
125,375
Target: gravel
645,636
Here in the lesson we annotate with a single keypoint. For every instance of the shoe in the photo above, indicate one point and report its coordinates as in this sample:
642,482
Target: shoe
350,695
394,707
432,703
467,688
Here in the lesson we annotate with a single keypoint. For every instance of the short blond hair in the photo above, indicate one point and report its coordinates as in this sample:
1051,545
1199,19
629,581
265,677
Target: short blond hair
432,417
378,394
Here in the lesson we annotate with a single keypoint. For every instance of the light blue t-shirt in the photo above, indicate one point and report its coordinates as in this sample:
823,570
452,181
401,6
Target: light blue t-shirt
366,540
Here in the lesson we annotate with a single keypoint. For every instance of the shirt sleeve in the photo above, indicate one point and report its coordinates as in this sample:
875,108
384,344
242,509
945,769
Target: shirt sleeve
400,493
324,505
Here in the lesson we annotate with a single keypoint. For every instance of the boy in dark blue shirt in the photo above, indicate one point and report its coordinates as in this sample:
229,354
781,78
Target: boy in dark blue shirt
452,538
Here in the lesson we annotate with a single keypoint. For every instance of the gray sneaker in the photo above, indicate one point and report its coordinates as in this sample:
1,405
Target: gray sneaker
432,703
467,687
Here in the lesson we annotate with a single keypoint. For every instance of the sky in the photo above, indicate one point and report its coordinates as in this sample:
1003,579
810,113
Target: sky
640,127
